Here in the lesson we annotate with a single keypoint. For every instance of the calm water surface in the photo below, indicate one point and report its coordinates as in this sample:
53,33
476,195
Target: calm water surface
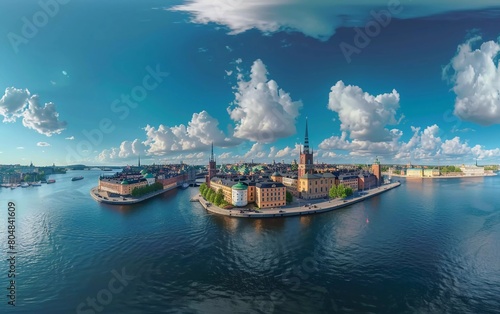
428,246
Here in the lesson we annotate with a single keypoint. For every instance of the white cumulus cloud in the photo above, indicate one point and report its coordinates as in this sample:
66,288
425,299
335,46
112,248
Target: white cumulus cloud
200,132
13,103
44,120
42,144
362,115
475,74
262,111
129,149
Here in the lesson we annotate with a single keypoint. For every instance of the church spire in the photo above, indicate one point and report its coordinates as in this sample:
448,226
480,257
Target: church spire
212,153
306,141
139,161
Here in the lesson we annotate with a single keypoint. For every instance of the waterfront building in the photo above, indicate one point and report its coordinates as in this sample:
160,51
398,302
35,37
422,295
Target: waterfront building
225,185
270,194
349,180
377,171
414,172
366,181
313,186
120,185
472,170
429,173
239,194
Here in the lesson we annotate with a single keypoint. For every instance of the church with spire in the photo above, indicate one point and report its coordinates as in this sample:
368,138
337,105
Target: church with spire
212,167
311,185
306,162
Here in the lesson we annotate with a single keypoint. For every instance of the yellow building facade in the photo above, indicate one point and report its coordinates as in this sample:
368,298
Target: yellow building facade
270,194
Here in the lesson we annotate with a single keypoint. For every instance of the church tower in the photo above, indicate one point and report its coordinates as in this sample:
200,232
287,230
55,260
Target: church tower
306,158
377,171
211,167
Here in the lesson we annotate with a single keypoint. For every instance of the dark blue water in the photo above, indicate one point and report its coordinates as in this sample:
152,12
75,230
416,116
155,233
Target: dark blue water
425,247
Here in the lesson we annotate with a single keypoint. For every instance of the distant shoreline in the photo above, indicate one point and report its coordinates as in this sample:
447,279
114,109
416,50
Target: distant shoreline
443,177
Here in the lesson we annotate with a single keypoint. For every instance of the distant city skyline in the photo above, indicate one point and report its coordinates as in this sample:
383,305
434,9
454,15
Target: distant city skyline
100,84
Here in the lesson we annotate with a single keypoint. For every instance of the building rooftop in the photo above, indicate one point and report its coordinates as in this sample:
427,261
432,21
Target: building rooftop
271,184
240,186
310,176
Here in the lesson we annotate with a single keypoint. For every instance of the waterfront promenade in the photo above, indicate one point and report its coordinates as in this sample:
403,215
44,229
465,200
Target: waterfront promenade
302,207
103,197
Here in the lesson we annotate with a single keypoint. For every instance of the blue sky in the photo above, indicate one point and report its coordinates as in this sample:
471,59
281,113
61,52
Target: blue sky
101,82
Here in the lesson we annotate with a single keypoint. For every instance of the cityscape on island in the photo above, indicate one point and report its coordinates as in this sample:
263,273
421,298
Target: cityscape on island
250,156
248,189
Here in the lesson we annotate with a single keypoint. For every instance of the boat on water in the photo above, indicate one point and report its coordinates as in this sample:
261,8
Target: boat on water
184,185
51,181
24,185
77,178
38,183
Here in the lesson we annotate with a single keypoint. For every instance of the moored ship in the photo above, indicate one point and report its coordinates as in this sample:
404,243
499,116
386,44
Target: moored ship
51,181
77,178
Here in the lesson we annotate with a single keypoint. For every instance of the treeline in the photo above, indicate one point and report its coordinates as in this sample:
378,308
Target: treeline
34,177
340,191
210,195
494,168
448,169
143,190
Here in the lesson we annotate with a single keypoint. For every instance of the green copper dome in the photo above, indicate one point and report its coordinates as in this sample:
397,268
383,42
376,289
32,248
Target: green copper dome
124,182
148,176
239,186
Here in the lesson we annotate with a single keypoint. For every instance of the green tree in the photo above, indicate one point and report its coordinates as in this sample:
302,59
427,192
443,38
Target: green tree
203,187
349,191
143,190
294,167
219,197
333,192
289,197
341,191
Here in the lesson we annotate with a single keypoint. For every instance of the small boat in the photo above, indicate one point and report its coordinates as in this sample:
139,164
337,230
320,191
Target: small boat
24,185
184,185
38,183
77,178
51,181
